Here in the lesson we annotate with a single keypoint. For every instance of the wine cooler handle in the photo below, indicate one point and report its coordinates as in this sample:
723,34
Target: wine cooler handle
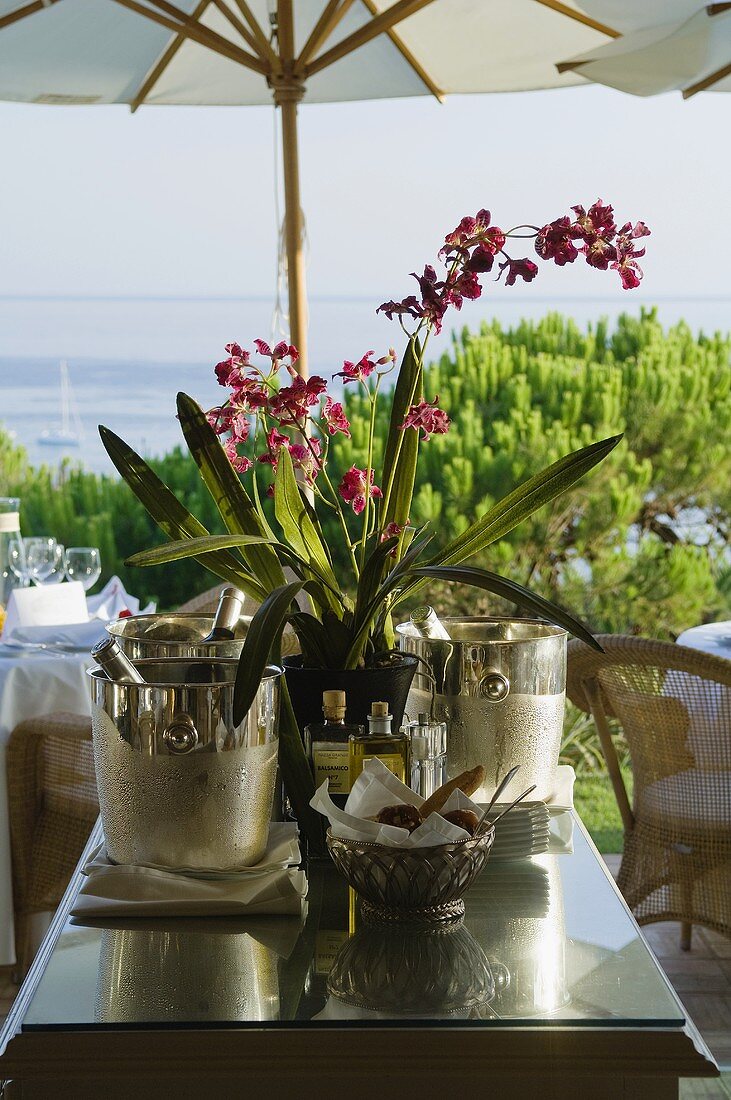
181,736
494,686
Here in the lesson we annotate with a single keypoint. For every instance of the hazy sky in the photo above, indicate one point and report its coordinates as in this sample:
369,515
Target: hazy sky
179,201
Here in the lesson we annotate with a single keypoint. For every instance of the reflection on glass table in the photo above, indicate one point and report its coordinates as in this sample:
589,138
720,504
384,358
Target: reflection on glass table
545,942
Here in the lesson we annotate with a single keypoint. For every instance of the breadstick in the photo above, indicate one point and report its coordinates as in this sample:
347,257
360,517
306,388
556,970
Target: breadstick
468,782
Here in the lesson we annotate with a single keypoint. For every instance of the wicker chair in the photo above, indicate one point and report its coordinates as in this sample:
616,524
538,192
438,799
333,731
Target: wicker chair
674,706
53,805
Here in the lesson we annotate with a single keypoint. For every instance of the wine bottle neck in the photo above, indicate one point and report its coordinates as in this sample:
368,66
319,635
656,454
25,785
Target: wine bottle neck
227,615
115,663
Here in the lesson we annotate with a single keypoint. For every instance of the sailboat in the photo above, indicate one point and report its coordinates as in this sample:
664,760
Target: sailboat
70,433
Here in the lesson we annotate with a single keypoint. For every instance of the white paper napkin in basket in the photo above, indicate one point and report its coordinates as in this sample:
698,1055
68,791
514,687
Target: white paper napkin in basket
375,788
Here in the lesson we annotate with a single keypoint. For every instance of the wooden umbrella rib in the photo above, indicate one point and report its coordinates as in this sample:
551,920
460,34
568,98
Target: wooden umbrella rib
238,26
707,82
570,66
265,45
22,13
717,9
407,55
579,17
163,61
330,16
382,23
179,21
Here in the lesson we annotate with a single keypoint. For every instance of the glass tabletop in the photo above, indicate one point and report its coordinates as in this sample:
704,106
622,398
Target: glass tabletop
544,942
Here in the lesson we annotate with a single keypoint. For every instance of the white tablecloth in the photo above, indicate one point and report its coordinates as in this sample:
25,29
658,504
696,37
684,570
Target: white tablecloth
31,685
712,638
708,735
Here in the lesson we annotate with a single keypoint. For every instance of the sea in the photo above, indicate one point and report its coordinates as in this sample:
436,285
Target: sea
128,357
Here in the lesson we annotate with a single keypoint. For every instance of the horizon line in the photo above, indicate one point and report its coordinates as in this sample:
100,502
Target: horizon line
348,297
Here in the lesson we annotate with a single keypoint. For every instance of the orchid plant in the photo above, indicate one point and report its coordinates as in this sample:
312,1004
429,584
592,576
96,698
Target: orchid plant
273,419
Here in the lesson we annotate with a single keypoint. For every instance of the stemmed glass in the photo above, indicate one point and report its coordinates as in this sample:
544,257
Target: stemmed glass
44,559
83,563
18,559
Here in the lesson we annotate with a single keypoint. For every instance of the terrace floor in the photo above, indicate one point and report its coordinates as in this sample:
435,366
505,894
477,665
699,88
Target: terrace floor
701,977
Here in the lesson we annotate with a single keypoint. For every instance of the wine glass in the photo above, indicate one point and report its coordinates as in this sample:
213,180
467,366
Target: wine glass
83,563
44,557
18,559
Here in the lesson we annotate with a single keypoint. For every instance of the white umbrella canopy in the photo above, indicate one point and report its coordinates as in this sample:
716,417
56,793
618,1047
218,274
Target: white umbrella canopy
688,51
231,52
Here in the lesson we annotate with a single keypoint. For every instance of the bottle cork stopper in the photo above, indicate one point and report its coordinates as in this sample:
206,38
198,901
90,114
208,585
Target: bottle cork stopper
333,700
379,710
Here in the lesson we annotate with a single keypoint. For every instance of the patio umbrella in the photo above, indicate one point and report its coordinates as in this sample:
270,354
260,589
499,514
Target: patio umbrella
262,51
690,54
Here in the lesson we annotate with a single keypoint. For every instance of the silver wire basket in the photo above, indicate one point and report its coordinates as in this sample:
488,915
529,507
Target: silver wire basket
414,885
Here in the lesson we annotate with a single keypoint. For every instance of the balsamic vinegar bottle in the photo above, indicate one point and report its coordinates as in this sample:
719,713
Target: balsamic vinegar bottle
327,746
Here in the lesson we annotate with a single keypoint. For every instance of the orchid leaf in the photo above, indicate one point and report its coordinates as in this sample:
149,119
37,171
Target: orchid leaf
297,776
170,515
233,502
402,446
315,519
264,632
297,527
527,498
365,621
509,590
313,639
372,572
191,548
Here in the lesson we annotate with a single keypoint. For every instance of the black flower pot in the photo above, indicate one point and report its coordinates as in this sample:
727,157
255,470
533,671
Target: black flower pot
362,686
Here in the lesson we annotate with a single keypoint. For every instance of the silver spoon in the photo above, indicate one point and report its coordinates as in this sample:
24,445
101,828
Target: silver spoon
480,829
499,790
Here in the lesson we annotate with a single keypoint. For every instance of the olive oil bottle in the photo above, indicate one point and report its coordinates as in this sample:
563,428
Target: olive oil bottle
392,749
327,746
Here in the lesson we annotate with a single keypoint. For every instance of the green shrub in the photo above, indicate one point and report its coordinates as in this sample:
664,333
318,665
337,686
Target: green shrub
640,545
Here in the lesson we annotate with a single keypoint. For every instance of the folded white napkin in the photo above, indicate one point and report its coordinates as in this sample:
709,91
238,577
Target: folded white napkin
118,891
113,600
562,795
70,635
282,851
271,887
44,606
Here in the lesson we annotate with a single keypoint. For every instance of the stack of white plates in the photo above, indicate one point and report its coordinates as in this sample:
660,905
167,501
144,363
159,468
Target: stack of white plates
521,833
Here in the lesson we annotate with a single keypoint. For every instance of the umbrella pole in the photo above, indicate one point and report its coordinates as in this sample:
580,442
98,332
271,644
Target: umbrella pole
287,99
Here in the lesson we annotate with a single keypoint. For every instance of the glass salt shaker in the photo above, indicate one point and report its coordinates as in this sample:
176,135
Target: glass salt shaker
428,754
